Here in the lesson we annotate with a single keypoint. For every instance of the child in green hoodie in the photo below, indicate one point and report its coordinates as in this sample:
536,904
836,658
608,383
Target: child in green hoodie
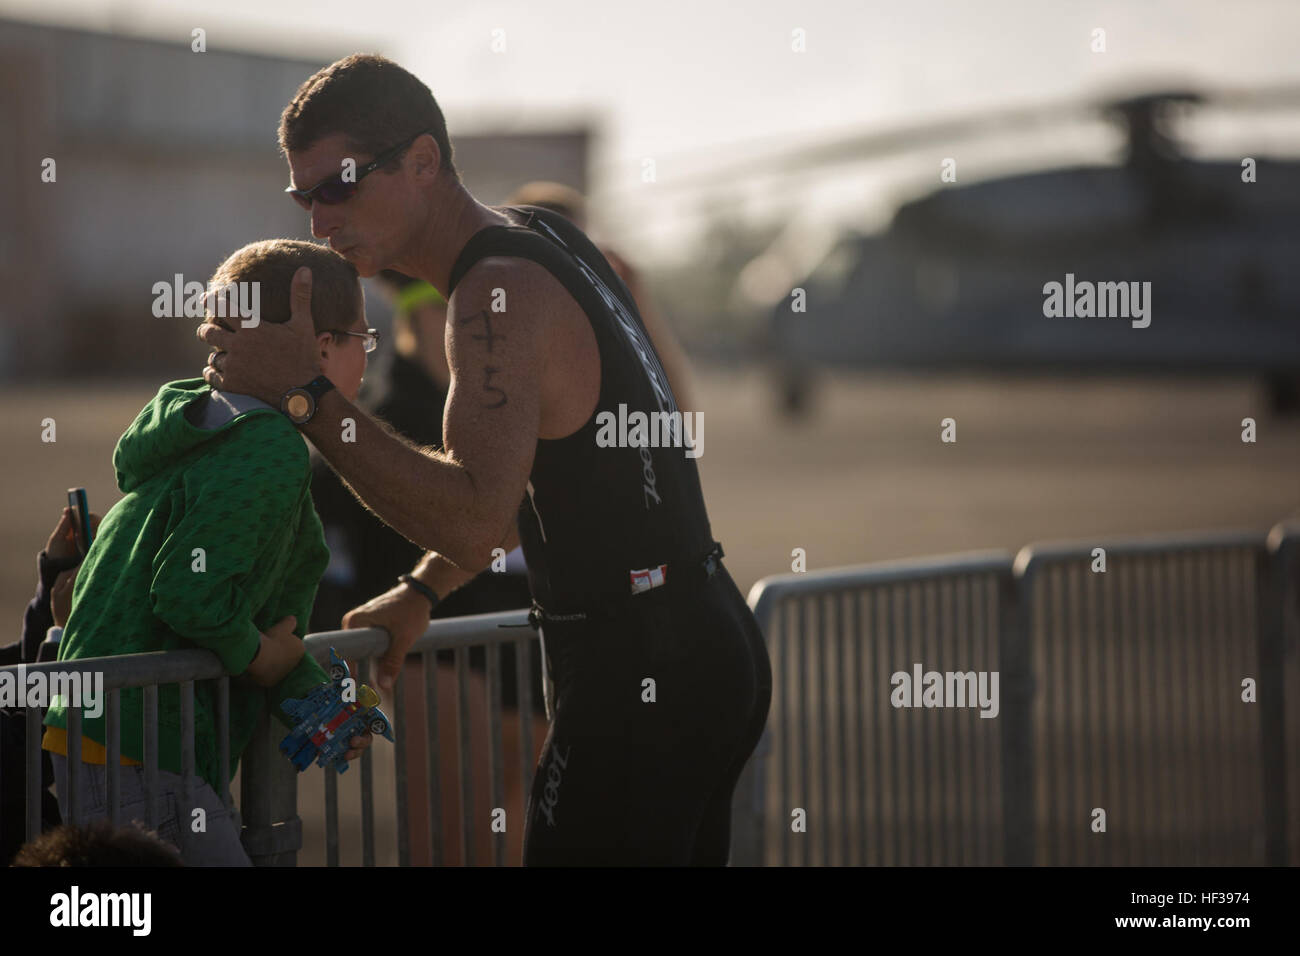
216,544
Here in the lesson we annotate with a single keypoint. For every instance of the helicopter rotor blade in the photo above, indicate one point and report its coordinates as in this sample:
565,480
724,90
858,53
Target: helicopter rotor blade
871,143
1280,96
874,142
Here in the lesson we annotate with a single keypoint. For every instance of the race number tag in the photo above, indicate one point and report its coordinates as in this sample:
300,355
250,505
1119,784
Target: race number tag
648,578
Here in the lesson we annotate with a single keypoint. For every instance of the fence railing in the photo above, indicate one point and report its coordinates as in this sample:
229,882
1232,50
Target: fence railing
1148,713
458,635
1140,714
1126,690
272,826
146,671
877,787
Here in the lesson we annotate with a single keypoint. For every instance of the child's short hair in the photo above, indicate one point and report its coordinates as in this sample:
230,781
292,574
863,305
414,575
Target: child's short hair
99,843
335,287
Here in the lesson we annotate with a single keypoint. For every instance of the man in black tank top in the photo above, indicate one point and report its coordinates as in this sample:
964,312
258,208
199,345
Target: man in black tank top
560,430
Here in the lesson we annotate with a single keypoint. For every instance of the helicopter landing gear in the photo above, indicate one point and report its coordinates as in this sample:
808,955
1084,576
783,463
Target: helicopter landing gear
1283,390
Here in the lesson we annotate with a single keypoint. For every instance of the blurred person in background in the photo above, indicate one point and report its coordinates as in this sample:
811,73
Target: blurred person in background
56,573
571,204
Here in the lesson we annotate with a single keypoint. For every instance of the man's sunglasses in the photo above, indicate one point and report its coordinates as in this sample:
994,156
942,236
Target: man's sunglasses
335,190
371,337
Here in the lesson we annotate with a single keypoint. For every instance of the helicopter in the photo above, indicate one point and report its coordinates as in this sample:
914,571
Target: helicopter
961,278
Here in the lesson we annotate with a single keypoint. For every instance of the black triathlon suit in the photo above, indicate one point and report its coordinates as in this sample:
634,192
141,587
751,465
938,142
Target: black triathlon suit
661,676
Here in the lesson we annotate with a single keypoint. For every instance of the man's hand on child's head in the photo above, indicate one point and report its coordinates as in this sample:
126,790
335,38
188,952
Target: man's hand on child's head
268,359
279,654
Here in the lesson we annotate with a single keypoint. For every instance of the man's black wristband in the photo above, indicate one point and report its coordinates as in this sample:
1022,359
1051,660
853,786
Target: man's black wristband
421,588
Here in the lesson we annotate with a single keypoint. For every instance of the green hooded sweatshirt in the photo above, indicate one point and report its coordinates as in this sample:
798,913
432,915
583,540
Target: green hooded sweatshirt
215,540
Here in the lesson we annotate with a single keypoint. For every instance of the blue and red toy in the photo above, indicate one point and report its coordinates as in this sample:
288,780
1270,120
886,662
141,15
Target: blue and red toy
327,722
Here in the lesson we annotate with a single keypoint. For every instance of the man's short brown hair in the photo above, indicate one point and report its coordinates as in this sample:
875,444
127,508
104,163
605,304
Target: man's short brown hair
372,101
336,295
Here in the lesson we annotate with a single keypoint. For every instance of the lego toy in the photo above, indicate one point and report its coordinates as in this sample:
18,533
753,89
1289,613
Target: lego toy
326,722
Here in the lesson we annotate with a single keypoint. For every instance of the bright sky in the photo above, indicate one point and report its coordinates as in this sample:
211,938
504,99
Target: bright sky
687,82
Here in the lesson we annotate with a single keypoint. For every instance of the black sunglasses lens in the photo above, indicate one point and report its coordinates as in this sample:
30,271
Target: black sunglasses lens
301,200
335,192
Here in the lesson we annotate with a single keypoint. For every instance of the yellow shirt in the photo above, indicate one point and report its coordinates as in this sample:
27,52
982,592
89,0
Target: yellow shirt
92,751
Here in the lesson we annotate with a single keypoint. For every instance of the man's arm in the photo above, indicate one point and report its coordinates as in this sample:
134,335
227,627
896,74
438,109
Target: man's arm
443,577
404,612
460,502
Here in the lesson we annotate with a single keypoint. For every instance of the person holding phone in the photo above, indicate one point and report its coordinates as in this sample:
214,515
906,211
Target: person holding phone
56,572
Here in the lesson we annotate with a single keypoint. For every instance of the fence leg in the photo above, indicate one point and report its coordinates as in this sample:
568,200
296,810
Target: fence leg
1273,572
272,832
1017,678
747,807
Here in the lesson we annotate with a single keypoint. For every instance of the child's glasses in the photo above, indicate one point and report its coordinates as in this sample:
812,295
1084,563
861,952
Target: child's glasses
371,337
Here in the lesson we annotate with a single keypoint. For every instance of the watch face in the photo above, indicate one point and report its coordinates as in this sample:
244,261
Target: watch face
298,405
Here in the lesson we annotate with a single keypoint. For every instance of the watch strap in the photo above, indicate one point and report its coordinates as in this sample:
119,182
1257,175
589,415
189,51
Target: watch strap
318,386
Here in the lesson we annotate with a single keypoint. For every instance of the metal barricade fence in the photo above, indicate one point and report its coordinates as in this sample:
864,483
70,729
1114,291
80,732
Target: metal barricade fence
1139,723
879,784
146,671
272,828
458,635
1282,645
1120,691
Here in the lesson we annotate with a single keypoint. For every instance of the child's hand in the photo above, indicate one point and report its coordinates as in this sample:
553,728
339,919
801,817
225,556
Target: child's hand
358,745
279,654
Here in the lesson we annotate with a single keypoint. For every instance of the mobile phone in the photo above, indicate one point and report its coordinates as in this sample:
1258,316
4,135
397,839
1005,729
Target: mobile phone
80,518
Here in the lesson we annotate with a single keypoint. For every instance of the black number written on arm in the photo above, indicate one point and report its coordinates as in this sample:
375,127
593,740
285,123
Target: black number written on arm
490,338
488,335
489,387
